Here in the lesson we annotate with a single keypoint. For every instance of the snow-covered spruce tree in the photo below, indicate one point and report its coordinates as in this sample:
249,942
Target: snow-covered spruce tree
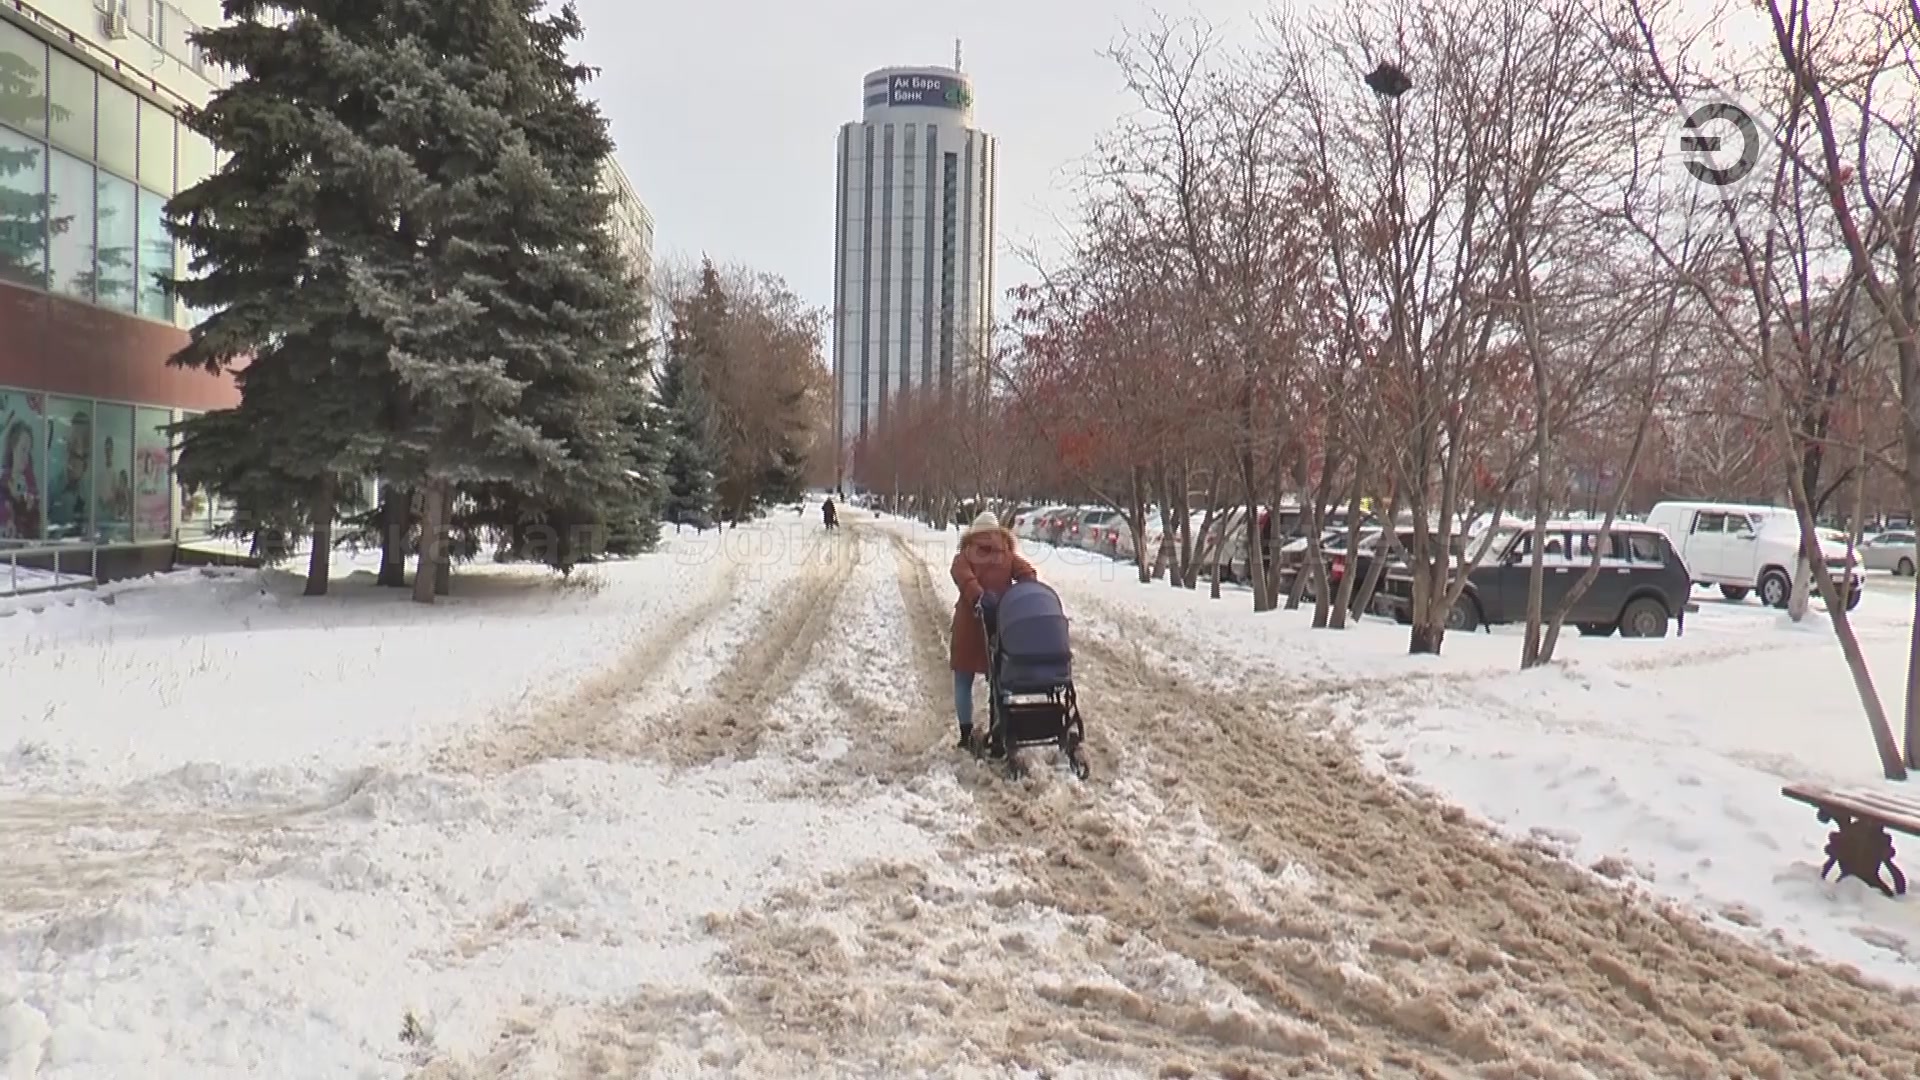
554,306
274,231
589,388
682,422
465,174
785,480
646,476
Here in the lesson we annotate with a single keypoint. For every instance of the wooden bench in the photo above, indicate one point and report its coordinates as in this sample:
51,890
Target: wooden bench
1859,844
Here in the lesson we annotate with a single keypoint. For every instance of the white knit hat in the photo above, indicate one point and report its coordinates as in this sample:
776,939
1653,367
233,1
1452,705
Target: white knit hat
984,522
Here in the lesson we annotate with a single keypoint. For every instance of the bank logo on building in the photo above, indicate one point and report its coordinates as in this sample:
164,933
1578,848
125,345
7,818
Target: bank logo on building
930,90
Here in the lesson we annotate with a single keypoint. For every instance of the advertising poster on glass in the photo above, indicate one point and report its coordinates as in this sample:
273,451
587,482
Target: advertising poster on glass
22,511
152,495
69,469
113,473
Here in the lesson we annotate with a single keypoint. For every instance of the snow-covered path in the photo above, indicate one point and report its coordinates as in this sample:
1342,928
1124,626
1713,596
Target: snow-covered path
743,846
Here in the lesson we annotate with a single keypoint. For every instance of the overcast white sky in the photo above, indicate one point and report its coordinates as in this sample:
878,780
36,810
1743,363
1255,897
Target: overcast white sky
726,111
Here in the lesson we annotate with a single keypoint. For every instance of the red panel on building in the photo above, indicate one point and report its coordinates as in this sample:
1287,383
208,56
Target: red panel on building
73,348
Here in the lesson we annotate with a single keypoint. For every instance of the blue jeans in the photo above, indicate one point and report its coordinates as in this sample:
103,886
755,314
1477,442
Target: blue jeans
963,698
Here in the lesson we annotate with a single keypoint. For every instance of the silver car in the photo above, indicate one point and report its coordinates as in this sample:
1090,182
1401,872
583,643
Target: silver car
1891,550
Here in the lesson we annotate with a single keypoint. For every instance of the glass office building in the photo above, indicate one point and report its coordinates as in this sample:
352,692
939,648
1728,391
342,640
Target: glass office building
90,152
913,252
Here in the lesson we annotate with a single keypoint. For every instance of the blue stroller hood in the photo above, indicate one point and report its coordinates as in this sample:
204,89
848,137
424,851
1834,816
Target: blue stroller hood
1030,634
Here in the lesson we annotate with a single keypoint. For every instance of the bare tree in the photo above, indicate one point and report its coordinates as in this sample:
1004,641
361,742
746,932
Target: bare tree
1414,149
1765,304
1204,163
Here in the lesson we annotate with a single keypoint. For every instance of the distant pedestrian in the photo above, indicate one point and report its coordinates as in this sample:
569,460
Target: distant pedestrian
829,515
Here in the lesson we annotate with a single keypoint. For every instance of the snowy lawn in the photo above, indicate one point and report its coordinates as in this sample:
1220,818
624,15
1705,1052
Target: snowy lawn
235,667
233,852
1657,760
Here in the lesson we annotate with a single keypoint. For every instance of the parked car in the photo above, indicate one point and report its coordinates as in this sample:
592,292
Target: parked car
1034,522
1151,531
1644,583
1052,527
1359,561
1891,550
1154,531
1745,549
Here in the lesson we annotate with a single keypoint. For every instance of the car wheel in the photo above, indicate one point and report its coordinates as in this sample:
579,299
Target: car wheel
1735,593
1463,617
1588,629
1776,588
1644,618
1905,569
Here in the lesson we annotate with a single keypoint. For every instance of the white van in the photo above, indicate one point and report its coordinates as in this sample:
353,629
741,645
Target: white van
1746,549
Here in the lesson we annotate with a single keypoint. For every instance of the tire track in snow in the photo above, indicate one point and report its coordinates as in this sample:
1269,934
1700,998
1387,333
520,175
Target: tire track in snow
586,723
1495,951
890,969
739,709
65,855
1426,947
780,663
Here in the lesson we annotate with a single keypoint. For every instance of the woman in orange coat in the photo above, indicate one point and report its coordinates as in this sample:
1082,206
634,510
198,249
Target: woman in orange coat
985,567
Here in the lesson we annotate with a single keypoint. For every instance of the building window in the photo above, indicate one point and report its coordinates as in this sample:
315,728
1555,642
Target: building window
196,158
75,471
23,80
21,466
156,257
72,93
175,29
156,148
70,267
69,469
152,473
23,210
113,478
118,146
116,232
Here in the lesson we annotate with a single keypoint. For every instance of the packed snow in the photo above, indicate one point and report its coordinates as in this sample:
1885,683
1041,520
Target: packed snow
697,813
1664,757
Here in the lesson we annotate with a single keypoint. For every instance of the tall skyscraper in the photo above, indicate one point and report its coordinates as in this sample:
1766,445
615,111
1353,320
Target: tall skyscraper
913,244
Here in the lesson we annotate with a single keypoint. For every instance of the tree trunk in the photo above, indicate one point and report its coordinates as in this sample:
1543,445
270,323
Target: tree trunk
1297,591
396,513
1174,503
320,558
1137,524
1912,718
1550,640
1530,645
432,547
1192,550
1250,496
1344,601
1892,762
1313,514
1378,569
1912,725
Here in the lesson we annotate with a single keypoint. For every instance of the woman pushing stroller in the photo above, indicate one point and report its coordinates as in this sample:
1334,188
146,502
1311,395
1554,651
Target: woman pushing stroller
985,567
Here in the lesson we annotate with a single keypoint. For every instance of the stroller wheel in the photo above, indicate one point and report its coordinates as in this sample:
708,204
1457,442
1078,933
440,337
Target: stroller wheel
1077,761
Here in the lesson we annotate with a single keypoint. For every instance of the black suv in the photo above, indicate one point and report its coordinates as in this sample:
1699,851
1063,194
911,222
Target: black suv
1643,584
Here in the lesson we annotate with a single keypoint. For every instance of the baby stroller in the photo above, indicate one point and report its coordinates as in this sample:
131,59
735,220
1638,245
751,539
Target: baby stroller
1030,694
